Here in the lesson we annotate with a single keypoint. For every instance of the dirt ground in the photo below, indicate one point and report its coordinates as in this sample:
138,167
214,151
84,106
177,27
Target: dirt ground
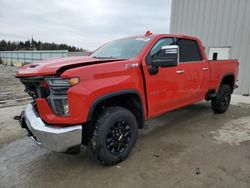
11,91
189,147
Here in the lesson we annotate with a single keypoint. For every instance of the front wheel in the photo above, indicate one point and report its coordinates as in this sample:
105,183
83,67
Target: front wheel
221,102
114,135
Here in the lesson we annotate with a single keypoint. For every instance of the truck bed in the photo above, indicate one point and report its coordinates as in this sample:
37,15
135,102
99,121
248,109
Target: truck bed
218,68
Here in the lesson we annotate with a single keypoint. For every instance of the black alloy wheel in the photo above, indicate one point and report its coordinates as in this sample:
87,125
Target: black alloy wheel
118,137
115,131
222,100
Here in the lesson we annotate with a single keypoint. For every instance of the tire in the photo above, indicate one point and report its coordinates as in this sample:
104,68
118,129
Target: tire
221,102
115,132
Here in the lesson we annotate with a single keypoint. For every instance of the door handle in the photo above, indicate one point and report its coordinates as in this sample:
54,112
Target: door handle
180,71
205,68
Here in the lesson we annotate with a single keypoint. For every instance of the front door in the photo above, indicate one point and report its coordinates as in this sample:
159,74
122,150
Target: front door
165,89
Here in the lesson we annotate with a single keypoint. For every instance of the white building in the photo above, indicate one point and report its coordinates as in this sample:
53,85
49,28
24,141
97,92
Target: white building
222,25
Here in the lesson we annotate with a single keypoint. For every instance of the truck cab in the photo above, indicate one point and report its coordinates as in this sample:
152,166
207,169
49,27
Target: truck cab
102,100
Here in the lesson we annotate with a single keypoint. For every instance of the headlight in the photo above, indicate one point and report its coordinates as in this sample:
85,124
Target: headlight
57,98
63,82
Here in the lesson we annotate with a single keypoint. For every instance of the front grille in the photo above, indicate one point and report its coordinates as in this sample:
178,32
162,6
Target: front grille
49,88
33,86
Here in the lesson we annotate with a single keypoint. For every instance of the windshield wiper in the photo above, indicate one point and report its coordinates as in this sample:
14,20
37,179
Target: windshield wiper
104,57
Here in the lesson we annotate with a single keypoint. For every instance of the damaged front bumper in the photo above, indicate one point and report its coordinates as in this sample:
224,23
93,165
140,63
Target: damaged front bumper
59,139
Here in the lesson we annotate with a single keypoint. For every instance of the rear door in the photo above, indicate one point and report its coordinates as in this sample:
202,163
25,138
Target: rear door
195,69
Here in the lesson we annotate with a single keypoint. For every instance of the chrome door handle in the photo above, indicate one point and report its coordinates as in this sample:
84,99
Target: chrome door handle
205,68
180,71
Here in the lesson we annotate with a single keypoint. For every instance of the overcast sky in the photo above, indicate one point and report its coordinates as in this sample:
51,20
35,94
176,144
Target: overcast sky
82,23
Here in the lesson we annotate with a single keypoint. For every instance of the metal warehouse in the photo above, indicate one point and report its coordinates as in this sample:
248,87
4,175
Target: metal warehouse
222,25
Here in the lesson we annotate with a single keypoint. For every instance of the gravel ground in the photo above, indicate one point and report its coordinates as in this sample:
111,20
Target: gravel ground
189,147
11,90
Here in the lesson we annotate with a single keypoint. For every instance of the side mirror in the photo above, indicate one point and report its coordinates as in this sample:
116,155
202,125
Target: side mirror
167,56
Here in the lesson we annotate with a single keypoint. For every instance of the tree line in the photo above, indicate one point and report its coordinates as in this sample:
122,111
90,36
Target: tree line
37,45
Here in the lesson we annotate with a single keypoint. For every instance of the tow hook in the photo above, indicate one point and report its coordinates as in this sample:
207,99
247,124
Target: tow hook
17,118
23,125
21,119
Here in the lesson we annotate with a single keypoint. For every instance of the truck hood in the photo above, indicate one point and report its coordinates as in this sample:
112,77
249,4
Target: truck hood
58,65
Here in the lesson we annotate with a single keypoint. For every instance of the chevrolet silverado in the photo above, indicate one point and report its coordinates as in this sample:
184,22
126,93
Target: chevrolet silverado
102,100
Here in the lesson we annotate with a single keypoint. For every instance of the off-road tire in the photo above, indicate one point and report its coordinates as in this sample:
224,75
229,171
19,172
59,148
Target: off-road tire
222,100
103,126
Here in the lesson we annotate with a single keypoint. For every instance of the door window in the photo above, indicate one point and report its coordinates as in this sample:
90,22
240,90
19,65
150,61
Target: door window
189,50
157,47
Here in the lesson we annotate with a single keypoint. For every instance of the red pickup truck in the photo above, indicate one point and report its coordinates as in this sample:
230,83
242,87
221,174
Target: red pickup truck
102,100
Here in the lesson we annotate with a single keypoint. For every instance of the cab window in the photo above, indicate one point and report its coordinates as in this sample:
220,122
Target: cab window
158,45
189,50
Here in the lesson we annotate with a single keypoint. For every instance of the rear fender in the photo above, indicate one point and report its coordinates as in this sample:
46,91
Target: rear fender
223,79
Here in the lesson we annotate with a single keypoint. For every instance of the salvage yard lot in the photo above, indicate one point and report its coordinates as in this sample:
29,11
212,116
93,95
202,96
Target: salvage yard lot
189,147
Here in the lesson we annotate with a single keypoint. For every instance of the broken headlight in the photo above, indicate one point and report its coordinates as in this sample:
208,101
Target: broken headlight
58,99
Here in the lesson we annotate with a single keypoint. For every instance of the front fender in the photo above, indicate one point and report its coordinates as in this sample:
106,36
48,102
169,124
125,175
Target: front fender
95,81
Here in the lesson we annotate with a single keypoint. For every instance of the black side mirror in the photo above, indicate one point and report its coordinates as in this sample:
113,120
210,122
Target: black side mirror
167,56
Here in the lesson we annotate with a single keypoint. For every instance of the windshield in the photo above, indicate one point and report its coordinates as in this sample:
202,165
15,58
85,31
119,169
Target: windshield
123,48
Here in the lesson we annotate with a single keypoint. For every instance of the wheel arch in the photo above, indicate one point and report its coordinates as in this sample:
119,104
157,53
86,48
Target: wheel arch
129,98
229,79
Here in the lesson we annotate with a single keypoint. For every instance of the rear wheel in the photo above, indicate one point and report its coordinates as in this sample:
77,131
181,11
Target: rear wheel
114,135
221,102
